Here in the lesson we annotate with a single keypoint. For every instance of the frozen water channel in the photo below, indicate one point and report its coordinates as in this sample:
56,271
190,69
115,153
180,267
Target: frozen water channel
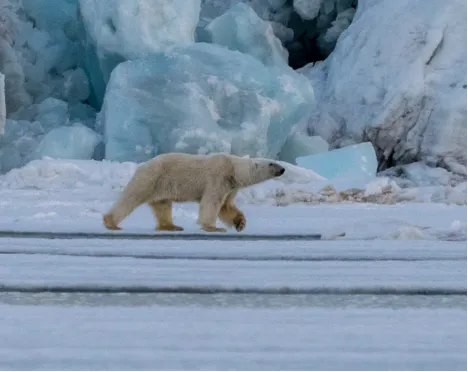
204,305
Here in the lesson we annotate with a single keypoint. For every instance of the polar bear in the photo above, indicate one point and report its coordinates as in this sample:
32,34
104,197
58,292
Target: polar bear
210,180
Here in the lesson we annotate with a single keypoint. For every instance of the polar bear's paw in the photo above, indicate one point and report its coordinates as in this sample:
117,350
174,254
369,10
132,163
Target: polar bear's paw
239,222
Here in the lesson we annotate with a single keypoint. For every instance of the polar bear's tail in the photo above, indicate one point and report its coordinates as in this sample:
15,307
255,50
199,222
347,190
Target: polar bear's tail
136,193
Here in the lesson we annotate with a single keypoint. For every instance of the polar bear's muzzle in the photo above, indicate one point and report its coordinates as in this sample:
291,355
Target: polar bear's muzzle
276,169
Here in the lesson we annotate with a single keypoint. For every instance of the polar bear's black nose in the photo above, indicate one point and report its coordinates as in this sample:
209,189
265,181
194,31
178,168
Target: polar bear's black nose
280,171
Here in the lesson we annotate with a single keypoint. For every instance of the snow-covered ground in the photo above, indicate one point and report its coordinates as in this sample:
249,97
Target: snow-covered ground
195,338
390,294
50,195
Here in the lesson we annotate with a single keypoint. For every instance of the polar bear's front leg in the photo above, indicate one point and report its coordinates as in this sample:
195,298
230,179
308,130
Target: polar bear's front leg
162,210
231,215
210,206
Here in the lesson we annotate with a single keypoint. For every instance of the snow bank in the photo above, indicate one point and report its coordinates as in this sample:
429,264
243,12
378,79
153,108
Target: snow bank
297,185
398,78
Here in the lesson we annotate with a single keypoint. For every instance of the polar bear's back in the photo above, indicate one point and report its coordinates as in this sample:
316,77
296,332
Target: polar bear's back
182,177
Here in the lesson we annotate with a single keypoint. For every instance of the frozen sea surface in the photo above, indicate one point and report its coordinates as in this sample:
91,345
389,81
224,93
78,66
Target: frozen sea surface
389,295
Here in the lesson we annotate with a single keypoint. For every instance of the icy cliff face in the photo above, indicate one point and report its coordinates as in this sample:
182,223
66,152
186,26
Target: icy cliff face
212,75
398,78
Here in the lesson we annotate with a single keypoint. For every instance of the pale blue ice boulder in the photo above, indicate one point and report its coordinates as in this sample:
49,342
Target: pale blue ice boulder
199,99
355,162
52,113
241,29
73,142
18,143
120,30
299,144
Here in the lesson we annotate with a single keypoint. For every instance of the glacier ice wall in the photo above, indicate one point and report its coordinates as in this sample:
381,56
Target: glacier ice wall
398,78
199,99
120,30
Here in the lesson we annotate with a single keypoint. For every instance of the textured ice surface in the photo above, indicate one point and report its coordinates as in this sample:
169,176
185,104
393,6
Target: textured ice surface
119,30
298,144
352,162
407,94
74,142
199,99
241,29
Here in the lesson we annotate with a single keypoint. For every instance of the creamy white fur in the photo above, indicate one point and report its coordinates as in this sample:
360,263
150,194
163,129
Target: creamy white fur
211,180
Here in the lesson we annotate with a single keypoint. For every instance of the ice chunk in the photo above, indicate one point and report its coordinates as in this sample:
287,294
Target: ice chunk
413,107
119,30
307,9
2,104
269,10
240,28
52,113
199,99
327,39
298,144
74,142
18,142
357,162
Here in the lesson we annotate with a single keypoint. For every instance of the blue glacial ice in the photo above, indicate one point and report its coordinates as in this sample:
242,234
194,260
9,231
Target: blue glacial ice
298,144
355,162
116,31
25,130
73,142
199,99
241,29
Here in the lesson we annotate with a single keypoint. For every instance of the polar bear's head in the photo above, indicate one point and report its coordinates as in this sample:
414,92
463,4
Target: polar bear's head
266,169
256,170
